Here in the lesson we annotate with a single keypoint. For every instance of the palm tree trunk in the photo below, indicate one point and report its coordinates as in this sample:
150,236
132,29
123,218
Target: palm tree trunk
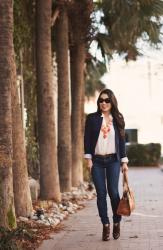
64,123
7,211
49,178
77,58
22,196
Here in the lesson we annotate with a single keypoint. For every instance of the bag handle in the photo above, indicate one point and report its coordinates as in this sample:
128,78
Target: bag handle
125,181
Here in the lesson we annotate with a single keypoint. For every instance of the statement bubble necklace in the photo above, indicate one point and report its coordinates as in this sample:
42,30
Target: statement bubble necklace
105,128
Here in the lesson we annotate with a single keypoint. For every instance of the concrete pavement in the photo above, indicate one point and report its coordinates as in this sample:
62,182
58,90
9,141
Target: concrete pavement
143,230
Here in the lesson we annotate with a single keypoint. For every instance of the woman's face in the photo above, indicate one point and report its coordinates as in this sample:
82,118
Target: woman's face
104,103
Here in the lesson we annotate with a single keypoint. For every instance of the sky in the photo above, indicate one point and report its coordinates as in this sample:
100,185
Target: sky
138,86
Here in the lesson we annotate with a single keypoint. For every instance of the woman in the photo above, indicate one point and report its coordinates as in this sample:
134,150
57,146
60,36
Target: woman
104,146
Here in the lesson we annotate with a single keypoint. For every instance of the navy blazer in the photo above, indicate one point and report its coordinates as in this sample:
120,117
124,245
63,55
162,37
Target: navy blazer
92,129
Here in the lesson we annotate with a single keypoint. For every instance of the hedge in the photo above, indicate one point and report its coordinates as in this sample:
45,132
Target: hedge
144,154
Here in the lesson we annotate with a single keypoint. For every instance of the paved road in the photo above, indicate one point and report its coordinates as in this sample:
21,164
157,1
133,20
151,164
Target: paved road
143,230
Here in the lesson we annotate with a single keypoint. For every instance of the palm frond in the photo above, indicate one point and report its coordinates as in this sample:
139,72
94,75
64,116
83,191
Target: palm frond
104,44
127,21
93,73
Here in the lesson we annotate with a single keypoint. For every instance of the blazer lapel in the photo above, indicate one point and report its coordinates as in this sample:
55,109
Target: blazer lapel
116,136
98,123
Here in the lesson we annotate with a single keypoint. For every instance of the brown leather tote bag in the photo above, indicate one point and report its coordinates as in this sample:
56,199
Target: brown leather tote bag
127,202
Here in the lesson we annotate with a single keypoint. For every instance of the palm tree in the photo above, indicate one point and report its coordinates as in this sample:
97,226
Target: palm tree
22,196
24,44
77,55
7,211
79,16
64,126
49,178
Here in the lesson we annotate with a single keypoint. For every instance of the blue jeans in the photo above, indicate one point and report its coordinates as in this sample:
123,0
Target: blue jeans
106,171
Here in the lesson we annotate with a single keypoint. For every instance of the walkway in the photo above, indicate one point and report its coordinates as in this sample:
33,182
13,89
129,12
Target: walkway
141,231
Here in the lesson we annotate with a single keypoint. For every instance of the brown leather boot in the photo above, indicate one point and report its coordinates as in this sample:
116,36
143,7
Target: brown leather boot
106,232
116,230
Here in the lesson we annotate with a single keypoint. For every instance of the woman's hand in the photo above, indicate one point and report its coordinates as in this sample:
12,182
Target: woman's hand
124,167
89,164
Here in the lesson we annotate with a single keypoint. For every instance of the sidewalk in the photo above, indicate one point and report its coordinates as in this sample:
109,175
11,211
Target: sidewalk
143,230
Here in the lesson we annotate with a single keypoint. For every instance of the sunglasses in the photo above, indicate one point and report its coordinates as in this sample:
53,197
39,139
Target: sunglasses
107,100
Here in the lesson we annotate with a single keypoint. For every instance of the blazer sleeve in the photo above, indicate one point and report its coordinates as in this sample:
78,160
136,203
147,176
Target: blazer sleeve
87,136
122,150
122,147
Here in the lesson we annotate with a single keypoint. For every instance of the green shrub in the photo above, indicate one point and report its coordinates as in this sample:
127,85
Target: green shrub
144,154
161,160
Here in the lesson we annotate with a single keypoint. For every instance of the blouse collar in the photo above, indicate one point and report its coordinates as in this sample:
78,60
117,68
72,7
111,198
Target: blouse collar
102,115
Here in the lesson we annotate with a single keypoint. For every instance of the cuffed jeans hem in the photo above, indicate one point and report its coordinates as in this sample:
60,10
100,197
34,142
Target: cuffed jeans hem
106,221
117,220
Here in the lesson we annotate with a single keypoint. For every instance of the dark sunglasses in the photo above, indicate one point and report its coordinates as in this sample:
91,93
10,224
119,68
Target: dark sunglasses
107,100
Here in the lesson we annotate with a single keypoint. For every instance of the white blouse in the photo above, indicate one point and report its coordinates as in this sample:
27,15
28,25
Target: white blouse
106,140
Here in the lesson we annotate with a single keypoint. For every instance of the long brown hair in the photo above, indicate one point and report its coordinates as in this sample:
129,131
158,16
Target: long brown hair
118,117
